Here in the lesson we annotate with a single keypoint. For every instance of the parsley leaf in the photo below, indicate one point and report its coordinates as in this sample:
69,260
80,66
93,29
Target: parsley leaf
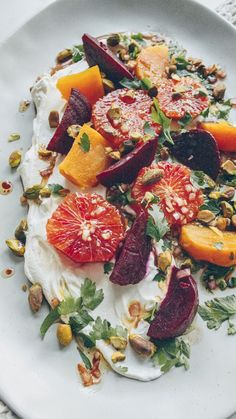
90,296
77,53
84,143
131,84
157,225
108,266
102,329
55,188
79,321
159,277
183,122
159,117
87,341
69,305
217,311
181,62
215,272
85,359
172,353
139,38
48,321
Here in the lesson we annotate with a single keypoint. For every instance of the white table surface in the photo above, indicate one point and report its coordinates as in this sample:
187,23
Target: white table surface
14,13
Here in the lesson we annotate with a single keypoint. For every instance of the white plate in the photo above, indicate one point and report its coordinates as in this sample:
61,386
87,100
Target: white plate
38,380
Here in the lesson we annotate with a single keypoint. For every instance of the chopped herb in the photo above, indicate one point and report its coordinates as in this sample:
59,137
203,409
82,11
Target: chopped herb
211,205
87,341
231,329
227,179
131,84
215,272
55,188
84,143
139,38
217,311
218,245
183,122
172,353
157,225
199,178
80,320
122,369
181,62
147,129
91,297
102,329
146,84
49,320
85,359
117,196
159,277
232,282
77,53
205,112
69,305
108,266
159,117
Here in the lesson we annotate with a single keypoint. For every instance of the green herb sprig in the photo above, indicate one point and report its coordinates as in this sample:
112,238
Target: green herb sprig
172,353
159,117
218,310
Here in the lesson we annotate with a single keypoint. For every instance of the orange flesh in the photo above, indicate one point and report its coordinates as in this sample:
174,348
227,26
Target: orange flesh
89,82
202,243
224,134
151,63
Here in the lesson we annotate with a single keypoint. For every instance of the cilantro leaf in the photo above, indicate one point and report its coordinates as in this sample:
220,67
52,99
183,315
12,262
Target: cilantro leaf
85,359
79,321
157,225
172,353
217,311
102,329
49,320
108,266
84,143
159,117
77,53
90,296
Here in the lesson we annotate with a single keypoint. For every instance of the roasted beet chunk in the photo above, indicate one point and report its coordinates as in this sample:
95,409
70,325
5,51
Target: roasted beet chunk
178,308
98,53
78,111
198,150
130,267
127,168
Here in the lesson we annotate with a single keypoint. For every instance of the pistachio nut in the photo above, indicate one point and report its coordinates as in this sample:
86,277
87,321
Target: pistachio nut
164,260
43,153
64,334
228,193
73,130
53,119
227,209
108,85
205,216
142,346
45,193
229,167
186,264
20,231
64,55
118,342
215,194
15,136
23,105
152,176
164,153
115,155
33,192
117,357
35,297
135,135
15,159
16,247
222,223
113,40
114,112
219,91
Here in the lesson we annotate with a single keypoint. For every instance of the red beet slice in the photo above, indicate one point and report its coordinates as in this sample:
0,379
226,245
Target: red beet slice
127,168
98,53
78,111
198,150
178,308
131,264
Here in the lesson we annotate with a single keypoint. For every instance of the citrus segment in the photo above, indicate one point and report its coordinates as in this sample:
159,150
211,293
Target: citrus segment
151,63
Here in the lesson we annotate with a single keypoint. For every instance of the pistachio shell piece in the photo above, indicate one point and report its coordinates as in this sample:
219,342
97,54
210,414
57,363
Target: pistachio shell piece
15,159
16,247
20,231
15,136
118,342
142,346
164,260
205,216
64,334
227,209
33,192
35,297
117,357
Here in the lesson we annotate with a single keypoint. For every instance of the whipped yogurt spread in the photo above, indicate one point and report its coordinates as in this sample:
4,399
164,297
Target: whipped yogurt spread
58,275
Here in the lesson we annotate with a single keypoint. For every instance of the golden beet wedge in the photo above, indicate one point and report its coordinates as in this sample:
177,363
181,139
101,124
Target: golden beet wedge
214,246
81,165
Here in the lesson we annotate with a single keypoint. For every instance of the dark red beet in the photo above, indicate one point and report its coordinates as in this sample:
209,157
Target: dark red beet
78,111
178,308
98,53
131,264
127,168
198,150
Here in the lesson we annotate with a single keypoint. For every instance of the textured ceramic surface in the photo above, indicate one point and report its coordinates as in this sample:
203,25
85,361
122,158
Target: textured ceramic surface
38,380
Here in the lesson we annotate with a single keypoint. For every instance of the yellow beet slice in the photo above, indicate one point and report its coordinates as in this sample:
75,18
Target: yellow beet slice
81,167
224,134
151,63
214,246
89,82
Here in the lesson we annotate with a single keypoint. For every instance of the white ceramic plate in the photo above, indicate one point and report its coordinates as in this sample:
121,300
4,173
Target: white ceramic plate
38,380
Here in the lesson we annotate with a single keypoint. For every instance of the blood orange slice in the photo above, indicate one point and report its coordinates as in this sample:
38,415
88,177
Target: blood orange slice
178,198
121,115
86,228
176,98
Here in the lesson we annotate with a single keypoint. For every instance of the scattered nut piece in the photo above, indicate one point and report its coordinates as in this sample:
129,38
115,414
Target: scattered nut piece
117,357
205,216
222,223
228,193
13,137
233,220
227,209
24,287
64,334
73,130
219,91
142,346
164,153
53,119
85,375
152,176
17,248
118,342
35,297
23,105
114,112
43,153
215,194
115,155
64,55
33,192
164,260
229,167
113,40
54,303
20,231
15,159
108,85
23,201
45,193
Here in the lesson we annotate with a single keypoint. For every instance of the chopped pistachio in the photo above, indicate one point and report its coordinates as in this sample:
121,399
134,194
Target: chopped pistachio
222,223
33,192
43,153
20,231
205,216
135,135
114,112
15,159
227,209
45,193
228,193
64,55
113,40
73,130
108,85
13,137
35,297
115,155
229,167
118,342
117,357
16,247
164,153
23,105
164,260
64,334
215,194
219,91
152,176
187,264
142,346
